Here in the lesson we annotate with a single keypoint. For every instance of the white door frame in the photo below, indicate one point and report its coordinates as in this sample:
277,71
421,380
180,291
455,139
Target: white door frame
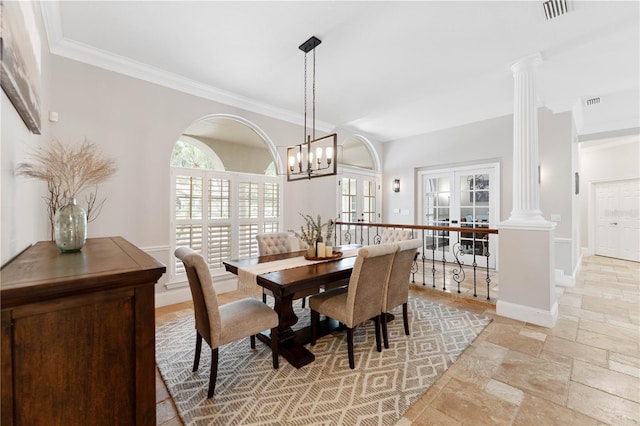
359,174
494,198
592,210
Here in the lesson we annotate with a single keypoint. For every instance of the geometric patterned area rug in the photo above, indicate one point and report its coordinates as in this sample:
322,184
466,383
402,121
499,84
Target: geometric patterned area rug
381,388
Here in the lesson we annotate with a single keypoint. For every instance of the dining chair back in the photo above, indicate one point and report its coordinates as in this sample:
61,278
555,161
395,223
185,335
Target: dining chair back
219,325
362,299
396,292
390,235
276,242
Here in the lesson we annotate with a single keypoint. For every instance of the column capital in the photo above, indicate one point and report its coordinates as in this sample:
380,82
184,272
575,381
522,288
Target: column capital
527,63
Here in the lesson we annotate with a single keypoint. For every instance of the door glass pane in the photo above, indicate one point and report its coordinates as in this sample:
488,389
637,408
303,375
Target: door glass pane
474,211
369,201
349,200
437,201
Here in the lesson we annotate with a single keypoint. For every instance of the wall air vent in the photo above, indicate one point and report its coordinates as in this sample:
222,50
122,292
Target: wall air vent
593,101
554,8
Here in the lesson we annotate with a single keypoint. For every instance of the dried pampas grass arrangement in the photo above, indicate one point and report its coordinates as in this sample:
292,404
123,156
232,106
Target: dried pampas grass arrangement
68,171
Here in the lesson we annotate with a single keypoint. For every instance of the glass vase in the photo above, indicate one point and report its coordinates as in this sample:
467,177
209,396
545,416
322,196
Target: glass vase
70,227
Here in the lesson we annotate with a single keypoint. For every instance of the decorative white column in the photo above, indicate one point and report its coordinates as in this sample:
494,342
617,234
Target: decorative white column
527,285
526,199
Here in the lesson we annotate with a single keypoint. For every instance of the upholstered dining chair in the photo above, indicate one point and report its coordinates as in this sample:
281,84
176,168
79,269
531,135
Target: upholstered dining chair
390,235
361,300
219,325
276,243
396,291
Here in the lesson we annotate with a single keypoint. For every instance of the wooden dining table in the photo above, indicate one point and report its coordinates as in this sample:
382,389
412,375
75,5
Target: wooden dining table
285,284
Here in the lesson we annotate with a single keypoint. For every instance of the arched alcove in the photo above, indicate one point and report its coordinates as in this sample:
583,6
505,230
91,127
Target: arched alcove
232,143
358,152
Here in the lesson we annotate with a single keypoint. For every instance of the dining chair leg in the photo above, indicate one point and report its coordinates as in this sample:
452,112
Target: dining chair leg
274,347
315,319
196,361
214,372
405,316
383,323
350,347
304,302
264,297
253,341
376,324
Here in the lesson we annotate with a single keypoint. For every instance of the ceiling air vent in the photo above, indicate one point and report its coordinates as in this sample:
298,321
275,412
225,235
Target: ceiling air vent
554,8
593,101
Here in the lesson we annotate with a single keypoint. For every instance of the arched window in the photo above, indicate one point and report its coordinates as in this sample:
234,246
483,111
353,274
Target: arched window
225,190
190,152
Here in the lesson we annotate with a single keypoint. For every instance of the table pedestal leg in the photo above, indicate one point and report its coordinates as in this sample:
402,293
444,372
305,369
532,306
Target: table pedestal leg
290,345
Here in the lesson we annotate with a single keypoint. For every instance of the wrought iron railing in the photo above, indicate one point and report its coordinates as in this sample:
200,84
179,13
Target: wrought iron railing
437,242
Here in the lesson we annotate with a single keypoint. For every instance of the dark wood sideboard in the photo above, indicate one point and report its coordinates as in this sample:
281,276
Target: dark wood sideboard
78,335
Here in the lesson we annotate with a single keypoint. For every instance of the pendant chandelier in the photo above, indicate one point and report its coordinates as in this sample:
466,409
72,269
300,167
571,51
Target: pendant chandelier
314,157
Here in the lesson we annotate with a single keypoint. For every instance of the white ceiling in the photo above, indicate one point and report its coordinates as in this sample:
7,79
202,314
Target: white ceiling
387,69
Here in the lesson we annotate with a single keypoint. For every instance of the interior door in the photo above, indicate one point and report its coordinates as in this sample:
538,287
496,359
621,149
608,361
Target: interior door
473,210
437,211
462,197
359,199
618,219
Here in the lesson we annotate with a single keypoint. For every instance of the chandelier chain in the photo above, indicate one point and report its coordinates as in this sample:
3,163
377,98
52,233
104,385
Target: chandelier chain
305,97
311,158
313,96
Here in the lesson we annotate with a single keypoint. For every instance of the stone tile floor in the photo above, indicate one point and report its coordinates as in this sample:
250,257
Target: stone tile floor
583,371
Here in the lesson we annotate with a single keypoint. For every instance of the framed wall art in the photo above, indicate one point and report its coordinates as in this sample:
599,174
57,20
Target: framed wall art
20,70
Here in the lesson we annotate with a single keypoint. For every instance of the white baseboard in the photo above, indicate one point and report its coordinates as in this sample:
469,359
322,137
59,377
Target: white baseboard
577,268
528,314
172,297
563,280
587,251
182,293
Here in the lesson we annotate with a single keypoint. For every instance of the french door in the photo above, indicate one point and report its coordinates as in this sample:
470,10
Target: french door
464,197
358,197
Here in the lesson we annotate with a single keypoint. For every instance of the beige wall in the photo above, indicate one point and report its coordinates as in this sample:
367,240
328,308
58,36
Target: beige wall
137,123
484,142
616,159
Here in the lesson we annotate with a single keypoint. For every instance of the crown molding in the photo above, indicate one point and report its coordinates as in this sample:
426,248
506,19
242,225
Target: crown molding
61,46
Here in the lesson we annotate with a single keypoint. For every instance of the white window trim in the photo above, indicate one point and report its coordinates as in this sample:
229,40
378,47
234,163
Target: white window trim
234,220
